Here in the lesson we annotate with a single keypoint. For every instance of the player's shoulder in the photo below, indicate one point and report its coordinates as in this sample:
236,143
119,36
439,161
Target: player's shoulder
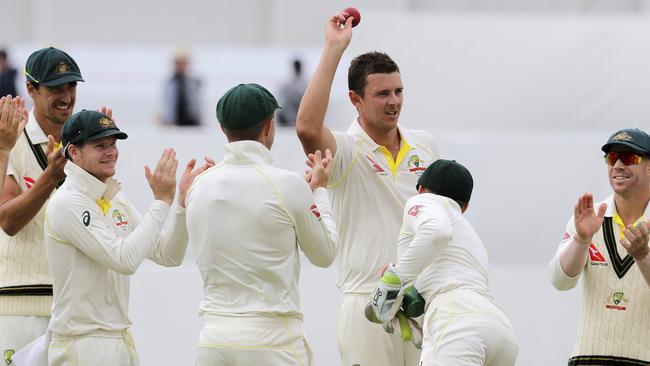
287,182
68,198
425,202
210,172
345,139
284,177
421,139
428,199
20,147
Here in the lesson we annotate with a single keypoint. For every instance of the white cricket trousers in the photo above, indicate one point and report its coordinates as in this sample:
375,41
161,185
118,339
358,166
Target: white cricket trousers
367,344
252,341
464,328
101,348
18,331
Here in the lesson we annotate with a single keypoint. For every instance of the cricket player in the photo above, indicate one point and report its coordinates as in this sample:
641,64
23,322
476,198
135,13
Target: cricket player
375,167
607,244
248,222
443,256
13,118
35,169
95,240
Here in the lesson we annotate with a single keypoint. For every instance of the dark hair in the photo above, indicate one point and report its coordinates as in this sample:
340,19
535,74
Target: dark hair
78,145
250,133
3,54
366,64
34,84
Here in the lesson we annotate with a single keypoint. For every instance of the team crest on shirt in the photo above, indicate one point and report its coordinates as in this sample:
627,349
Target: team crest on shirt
617,301
376,168
120,219
29,182
416,165
8,354
314,210
415,210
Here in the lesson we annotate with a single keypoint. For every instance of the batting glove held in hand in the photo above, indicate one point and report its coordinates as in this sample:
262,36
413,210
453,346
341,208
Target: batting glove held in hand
387,298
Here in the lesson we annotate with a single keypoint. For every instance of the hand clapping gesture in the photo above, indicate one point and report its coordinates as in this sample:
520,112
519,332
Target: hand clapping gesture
163,179
587,221
13,118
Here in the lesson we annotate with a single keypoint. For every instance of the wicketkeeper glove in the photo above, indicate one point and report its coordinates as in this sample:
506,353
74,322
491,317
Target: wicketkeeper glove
413,303
387,298
407,328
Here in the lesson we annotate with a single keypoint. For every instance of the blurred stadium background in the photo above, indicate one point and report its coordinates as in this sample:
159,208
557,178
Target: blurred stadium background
524,93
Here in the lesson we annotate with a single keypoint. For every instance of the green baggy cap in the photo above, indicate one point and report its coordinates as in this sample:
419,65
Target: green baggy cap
634,138
51,67
245,105
88,125
448,178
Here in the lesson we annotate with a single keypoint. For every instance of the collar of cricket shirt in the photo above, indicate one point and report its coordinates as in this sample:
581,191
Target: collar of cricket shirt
247,152
356,130
91,186
34,130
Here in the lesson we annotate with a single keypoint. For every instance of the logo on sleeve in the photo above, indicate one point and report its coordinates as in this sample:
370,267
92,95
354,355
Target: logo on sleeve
29,182
566,236
314,210
415,210
597,259
120,219
85,218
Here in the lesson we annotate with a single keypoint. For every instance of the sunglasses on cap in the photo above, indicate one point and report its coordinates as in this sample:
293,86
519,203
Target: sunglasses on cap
626,157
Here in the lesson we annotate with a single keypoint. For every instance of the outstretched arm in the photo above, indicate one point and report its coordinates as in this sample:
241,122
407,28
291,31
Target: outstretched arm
310,121
172,244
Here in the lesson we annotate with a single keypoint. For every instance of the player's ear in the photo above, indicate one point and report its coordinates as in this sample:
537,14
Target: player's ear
73,152
354,97
31,90
268,126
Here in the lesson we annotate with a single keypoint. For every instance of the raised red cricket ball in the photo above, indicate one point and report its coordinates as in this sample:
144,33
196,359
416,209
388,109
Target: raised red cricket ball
353,12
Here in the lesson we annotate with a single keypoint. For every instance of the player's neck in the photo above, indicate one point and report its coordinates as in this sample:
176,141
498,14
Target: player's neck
389,139
48,127
632,206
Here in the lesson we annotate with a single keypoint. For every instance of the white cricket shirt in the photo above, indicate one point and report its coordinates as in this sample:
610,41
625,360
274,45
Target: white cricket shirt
247,221
368,189
615,312
439,249
93,246
23,263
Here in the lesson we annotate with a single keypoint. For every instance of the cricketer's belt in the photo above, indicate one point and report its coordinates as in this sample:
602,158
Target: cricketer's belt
26,290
